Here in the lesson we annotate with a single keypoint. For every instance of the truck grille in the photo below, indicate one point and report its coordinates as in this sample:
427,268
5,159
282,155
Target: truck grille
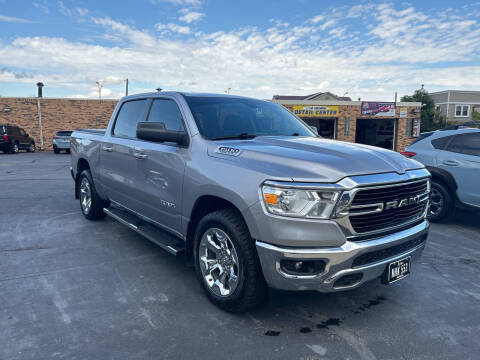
392,217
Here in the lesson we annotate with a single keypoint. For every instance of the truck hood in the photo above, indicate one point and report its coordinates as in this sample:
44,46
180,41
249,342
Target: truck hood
307,159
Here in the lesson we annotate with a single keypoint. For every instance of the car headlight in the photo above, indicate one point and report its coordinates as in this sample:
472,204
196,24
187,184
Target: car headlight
299,202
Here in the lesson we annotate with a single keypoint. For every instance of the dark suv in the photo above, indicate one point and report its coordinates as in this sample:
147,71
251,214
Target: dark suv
14,138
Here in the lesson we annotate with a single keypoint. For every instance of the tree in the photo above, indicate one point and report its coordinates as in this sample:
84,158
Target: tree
475,115
431,118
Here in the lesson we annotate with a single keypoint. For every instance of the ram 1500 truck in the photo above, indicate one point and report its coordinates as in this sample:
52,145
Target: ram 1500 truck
252,195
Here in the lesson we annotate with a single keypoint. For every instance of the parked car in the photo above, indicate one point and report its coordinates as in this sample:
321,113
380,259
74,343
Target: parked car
13,139
252,195
453,159
61,141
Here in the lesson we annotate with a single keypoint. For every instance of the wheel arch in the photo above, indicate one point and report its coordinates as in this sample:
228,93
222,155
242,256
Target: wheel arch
82,164
445,177
204,205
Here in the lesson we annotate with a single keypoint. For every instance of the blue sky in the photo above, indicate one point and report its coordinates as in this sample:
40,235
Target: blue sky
256,48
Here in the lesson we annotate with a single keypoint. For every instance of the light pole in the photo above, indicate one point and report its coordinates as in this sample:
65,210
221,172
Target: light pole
99,85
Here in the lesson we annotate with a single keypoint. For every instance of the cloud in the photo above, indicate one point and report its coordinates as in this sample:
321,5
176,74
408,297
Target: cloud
372,53
179,2
191,16
42,7
11,19
164,28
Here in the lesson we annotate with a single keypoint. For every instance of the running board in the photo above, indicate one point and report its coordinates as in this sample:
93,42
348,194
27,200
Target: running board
160,237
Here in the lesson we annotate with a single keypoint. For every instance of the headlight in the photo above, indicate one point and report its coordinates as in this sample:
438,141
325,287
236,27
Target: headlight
299,203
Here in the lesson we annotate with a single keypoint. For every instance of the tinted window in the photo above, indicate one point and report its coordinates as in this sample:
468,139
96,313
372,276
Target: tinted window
422,136
440,143
468,144
167,112
64,133
13,130
230,116
130,114
22,132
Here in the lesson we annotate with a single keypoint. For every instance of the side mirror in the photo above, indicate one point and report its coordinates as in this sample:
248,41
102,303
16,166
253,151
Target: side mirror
156,132
314,128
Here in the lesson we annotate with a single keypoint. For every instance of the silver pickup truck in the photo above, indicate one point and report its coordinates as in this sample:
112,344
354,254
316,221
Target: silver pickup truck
252,195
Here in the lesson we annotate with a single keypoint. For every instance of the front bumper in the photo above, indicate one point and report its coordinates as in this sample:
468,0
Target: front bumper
341,261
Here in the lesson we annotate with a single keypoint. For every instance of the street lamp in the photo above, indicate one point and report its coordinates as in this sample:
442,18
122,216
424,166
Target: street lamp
99,85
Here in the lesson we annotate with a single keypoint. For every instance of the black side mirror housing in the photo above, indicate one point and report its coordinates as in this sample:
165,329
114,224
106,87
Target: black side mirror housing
156,132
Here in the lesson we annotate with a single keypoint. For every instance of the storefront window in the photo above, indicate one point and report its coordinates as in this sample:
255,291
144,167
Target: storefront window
376,132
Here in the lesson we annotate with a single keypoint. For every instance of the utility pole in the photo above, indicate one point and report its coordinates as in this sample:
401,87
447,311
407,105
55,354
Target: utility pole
40,127
100,85
126,87
228,91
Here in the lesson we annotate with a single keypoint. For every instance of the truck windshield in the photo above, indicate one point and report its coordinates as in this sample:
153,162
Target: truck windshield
231,117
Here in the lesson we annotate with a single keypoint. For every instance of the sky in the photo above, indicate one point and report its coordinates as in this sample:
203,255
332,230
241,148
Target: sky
363,49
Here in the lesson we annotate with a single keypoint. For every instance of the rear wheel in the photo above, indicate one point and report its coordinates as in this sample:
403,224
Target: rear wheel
15,148
90,202
226,262
441,202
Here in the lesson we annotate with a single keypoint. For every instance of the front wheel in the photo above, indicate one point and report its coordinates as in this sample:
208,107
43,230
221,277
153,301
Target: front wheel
226,262
90,202
31,148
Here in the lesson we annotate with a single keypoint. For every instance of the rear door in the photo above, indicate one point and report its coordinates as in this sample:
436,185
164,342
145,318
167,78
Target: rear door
117,155
461,158
23,139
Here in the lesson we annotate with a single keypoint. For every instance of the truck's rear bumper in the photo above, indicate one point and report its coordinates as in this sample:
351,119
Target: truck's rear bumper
347,264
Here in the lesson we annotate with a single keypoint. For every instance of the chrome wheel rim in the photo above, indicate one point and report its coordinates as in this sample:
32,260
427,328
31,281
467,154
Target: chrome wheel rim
85,196
218,262
32,148
15,148
436,202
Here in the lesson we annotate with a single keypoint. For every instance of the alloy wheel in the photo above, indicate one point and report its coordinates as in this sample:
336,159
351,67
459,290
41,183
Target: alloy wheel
437,202
85,195
219,262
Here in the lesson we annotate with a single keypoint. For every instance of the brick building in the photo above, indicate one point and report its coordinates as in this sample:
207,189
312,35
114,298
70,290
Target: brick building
335,117
390,125
56,114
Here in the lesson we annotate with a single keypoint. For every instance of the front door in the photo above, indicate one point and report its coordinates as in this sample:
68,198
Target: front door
160,168
461,158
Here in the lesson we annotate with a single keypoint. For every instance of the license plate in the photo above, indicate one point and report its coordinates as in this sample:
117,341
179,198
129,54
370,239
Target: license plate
398,269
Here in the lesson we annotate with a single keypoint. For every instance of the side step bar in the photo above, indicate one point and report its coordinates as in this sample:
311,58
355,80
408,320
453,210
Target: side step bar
160,237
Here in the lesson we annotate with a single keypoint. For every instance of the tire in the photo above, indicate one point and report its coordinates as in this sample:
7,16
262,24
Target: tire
249,289
90,202
56,151
31,148
14,149
441,202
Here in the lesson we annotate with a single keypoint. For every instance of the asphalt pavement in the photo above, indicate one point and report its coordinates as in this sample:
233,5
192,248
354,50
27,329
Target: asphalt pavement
75,289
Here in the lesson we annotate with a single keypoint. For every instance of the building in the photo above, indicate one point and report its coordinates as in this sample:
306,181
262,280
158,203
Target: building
386,124
43,117
457,105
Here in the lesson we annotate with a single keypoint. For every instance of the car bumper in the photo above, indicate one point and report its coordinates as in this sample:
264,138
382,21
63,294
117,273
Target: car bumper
348,261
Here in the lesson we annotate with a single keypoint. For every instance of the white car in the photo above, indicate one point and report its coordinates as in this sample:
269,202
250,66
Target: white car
453,159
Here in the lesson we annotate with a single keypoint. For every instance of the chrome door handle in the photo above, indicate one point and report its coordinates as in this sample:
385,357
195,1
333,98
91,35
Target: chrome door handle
107,148
451,162
140,155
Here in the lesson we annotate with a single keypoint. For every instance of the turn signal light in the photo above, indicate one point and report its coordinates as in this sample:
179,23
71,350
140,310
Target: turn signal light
408,154
271,199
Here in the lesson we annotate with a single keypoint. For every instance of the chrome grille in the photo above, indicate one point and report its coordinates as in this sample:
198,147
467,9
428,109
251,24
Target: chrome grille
382,218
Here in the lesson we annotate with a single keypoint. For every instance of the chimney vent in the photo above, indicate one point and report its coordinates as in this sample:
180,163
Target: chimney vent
40,86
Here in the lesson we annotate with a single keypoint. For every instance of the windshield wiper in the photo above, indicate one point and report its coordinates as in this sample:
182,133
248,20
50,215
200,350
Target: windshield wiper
239,136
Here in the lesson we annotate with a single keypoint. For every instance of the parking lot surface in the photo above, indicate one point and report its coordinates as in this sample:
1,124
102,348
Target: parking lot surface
75,289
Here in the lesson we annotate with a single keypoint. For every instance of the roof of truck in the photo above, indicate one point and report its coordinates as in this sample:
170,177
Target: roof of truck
163,93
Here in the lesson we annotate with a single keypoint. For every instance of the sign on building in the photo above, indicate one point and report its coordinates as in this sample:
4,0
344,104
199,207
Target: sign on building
378,108
403,112
315,110
416,127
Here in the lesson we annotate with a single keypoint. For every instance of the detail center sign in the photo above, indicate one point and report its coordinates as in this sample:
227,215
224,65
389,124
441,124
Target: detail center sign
378,108
315,111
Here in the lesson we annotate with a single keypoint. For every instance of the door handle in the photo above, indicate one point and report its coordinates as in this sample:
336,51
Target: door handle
451,162
107,148
140,155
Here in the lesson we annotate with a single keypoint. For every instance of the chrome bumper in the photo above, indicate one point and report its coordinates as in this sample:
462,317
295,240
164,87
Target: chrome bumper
338,261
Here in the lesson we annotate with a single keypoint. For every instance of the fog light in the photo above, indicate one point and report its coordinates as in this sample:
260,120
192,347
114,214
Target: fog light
302,267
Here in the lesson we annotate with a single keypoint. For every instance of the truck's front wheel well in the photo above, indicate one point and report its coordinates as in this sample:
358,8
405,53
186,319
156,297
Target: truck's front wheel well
204,205
82,164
